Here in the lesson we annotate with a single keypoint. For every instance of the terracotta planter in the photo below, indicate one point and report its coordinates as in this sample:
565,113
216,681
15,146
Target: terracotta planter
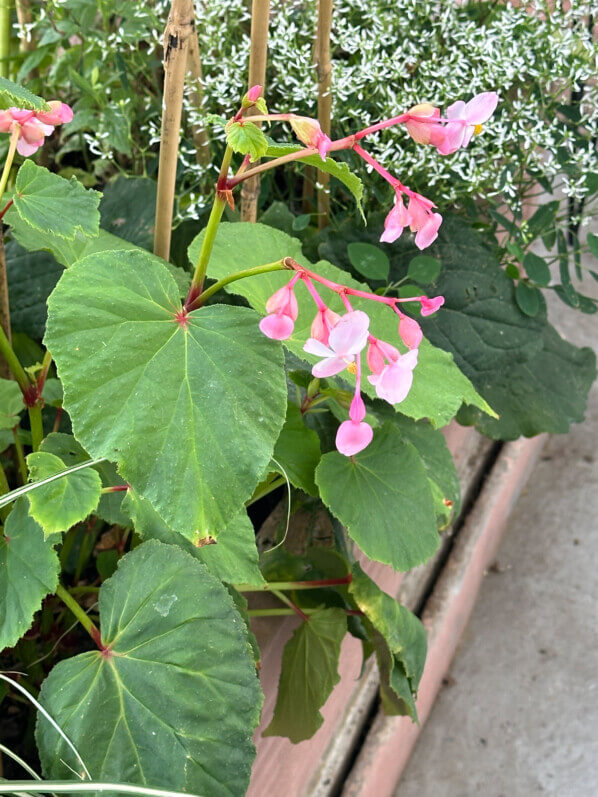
338,758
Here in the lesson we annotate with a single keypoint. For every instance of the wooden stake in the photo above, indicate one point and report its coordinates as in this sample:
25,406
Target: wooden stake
199,133
324,72
179,30
25,17
4,306
260,18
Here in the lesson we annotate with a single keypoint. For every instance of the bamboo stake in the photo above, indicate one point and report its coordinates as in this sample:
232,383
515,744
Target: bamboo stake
25,17
199,133
260,18
324,72
5,9
179,29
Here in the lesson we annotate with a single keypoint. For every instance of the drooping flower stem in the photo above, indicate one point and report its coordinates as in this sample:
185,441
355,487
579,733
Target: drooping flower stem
378,167
12,148
272,164
278,265
176,44
341,290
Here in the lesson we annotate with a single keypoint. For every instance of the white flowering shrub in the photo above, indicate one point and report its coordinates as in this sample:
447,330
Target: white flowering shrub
386,58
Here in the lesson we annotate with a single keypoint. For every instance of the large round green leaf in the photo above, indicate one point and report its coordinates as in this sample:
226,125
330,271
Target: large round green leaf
28,572
384,499
174,698
439,387
191,411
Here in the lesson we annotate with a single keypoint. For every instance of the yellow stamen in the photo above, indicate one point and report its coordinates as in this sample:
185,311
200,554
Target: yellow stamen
477,129
352,368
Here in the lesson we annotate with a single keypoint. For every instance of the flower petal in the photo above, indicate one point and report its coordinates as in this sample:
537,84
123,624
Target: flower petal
350,335
277,326
479,109
329,367
315,346
351,438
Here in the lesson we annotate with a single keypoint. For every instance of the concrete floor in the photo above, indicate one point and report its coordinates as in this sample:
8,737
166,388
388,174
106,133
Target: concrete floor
519,713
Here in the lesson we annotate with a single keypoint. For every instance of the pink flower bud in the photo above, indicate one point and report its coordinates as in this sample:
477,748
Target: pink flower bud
410,332
375,358
352,437
310,133
324,321
357,409
283,301
277,326
59,113
254,93
429,306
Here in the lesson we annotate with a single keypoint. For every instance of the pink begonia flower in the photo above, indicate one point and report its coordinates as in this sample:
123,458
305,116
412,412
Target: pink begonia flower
254,93
283,310
466,119
424,222
410,332
34,125
396,221
322,324
347,338
354,435
423,126
394,381
429,306
378,353
310,133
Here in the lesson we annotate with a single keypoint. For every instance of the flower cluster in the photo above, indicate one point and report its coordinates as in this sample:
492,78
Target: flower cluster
340,340
34,126
425,125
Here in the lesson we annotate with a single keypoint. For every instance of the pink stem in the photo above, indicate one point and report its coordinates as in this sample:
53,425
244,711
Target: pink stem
396,184
345,301
396,120
315,295
391,301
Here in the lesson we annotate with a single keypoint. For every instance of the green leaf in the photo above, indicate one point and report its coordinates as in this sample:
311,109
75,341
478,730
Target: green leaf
545,394
301,222
297,450
369,260
571,295
438,462
529,299
536,269
593,243
232,558
62,503
424,269
246,138
309,673
383,497
11,404
13,95
173,699
400,641
337,169
128,209
72,453
512,271
204,400
31,279
28,572
542,219
439,388
50,203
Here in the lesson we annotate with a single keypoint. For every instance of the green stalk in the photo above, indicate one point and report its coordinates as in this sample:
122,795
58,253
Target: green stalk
15,366
78,612
266,489
293,585
12,148
20,455
282,597
5,9
210,232
276,612
237,275
37,426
